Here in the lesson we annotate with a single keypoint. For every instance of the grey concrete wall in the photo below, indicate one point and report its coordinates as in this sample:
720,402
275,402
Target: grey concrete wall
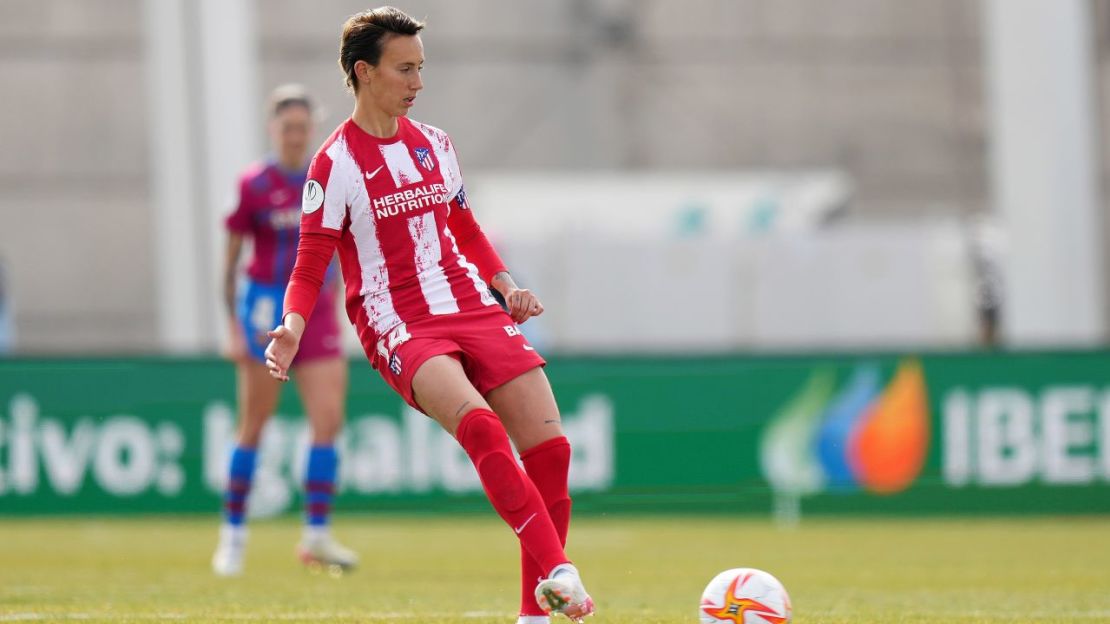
73,208
889,91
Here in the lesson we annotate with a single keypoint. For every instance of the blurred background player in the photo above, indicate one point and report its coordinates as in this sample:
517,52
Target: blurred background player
389,193
268,212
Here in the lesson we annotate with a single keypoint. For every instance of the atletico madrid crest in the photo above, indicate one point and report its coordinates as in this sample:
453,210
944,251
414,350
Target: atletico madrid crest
424,157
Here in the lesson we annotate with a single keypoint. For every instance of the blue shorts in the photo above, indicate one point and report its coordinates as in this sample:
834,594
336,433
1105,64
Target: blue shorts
259,311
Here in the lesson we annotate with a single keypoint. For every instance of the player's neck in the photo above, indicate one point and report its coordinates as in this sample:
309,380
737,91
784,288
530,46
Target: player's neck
374,121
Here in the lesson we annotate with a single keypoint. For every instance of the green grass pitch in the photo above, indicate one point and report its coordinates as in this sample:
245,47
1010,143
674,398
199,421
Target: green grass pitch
641,570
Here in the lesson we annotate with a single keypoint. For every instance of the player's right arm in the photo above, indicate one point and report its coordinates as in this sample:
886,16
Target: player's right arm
323,212
238,224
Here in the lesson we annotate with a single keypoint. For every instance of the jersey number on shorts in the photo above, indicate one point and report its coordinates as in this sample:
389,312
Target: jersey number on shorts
395,338
262,314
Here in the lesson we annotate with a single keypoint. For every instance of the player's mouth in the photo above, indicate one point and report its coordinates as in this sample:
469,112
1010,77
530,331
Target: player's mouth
409,100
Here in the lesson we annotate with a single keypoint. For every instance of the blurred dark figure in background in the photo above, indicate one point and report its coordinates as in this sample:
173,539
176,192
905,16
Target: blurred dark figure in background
985,242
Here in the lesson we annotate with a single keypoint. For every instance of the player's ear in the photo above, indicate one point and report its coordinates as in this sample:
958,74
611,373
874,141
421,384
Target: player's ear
363,71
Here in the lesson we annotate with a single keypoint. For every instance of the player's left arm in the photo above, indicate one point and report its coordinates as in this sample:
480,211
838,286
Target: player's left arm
521,303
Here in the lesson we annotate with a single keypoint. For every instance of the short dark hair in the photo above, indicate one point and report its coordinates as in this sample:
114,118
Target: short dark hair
365,33
288,95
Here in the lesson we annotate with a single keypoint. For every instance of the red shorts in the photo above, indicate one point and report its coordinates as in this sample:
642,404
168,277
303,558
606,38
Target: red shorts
487,342
321,338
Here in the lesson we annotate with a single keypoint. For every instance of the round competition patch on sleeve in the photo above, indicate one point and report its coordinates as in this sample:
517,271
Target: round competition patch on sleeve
313,197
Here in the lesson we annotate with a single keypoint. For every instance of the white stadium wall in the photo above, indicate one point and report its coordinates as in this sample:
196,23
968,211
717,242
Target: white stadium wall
723,262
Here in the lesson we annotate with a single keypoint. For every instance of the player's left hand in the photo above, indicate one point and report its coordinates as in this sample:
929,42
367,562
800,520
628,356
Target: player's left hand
523,304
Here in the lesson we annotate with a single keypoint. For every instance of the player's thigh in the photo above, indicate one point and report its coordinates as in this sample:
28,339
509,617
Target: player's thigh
526,405
258,394
322,386
443,391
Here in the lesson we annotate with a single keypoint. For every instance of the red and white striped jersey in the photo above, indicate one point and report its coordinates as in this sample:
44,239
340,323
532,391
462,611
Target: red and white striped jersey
391,204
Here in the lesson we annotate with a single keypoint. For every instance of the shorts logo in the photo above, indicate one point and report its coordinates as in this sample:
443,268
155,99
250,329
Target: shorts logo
313,197
424,157
395,364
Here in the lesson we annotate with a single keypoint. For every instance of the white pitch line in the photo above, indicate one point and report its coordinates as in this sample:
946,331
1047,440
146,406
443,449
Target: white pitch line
246,617
392,617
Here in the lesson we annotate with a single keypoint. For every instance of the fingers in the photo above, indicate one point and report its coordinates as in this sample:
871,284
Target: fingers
513,303
535,309
273,365
276,370
523,304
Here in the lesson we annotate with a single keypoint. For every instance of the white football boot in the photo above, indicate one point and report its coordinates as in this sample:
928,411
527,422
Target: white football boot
318,549
533,619
562,592
228,558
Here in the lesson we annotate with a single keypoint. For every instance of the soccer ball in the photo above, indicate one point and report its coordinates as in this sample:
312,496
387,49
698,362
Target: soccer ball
745,596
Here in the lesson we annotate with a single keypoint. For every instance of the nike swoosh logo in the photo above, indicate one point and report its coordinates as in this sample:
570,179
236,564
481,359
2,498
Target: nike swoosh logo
521,527
528,348
370,174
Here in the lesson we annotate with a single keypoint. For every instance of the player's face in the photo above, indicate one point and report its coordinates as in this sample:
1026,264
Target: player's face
290,132
395,80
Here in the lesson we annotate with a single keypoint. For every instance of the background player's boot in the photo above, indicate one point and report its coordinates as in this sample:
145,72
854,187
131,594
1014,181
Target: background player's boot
562,592
320,548
228,558
533,619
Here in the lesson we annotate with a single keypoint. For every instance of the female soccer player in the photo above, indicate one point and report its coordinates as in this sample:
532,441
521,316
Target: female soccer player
268,212
388,192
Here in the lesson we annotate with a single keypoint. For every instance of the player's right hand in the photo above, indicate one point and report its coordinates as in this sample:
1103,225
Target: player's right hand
280,352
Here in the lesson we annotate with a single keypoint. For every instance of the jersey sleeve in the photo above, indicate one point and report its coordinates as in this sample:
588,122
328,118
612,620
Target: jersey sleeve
324,200
239,219
471,239
314,254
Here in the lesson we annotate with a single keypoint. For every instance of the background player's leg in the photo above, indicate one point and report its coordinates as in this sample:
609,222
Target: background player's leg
527,406
258,394
443,391
322,386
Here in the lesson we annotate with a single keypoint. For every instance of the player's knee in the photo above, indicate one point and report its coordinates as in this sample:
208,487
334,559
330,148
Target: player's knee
326,426
481,429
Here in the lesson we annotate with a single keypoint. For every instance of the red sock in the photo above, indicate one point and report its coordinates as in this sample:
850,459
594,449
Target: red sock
547,464
511,492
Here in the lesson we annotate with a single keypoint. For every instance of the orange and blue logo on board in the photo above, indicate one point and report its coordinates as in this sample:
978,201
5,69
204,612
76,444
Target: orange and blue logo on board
860,434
